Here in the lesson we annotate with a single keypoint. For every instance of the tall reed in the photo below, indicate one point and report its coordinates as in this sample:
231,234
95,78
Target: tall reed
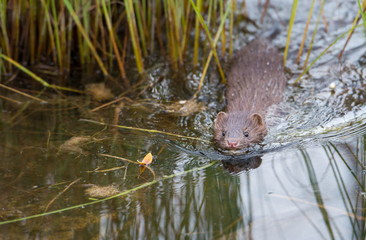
99,32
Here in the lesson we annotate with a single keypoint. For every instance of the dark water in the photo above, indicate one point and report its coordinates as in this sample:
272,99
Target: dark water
306,182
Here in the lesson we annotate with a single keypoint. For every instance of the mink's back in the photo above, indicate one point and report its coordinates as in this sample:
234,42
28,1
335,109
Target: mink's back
256,78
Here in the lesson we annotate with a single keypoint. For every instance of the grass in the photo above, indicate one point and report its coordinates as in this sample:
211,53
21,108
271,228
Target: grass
98,34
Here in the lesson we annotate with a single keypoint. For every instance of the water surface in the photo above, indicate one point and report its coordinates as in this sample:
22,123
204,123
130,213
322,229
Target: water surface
307,181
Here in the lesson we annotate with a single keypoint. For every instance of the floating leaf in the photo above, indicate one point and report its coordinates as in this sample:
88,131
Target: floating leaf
147,159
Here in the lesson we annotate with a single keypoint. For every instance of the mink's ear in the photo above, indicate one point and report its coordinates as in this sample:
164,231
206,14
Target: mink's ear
257,119
220,119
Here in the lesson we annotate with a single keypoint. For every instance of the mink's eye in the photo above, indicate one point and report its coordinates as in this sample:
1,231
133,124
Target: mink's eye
223,133
246,134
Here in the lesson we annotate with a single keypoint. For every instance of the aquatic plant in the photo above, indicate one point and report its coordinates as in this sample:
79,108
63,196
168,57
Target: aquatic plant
88,33
101,36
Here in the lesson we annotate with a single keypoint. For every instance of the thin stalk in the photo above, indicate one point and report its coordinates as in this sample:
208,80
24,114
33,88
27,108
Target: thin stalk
305,32
313,37
86,20
209,16
110,44
21,93
317,58
265,8
233,6
350,34
97,19
42,35
37,78
111,34
86,37
363,14
140,23
32,28
212,51
341,185
223,33
362,187
134,36
197,32
79,35
55,39
68,40
65,43
158,26
177,16
15,36
317,193
324,19
144,130
292,20
212,45
186,27
151,24
214,16
1,65
170,35
4,41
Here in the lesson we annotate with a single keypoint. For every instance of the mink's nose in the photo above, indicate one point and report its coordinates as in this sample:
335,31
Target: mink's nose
232,143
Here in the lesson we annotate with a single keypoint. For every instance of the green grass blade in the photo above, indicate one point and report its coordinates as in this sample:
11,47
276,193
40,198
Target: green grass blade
223,33
111,34
305,32
212,51
139,18
86,37
292,20
363,14
233,6
1,66
314,33
4,40
32,30
134,36
37,78
212,44
197,9
54,34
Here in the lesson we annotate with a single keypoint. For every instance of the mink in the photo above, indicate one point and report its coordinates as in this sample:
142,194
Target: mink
255,81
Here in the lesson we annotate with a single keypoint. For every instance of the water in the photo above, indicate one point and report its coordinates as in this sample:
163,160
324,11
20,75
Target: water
307,181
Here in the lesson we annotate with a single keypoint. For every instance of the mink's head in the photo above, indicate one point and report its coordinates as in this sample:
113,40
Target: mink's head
238,130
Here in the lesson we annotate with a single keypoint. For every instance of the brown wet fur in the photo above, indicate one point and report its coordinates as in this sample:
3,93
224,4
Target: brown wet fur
256,80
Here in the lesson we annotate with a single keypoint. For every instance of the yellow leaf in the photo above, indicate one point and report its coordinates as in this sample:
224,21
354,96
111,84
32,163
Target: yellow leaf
147,159
142,169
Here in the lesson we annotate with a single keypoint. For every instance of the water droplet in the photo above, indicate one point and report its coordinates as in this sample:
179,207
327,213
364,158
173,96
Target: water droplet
332,85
